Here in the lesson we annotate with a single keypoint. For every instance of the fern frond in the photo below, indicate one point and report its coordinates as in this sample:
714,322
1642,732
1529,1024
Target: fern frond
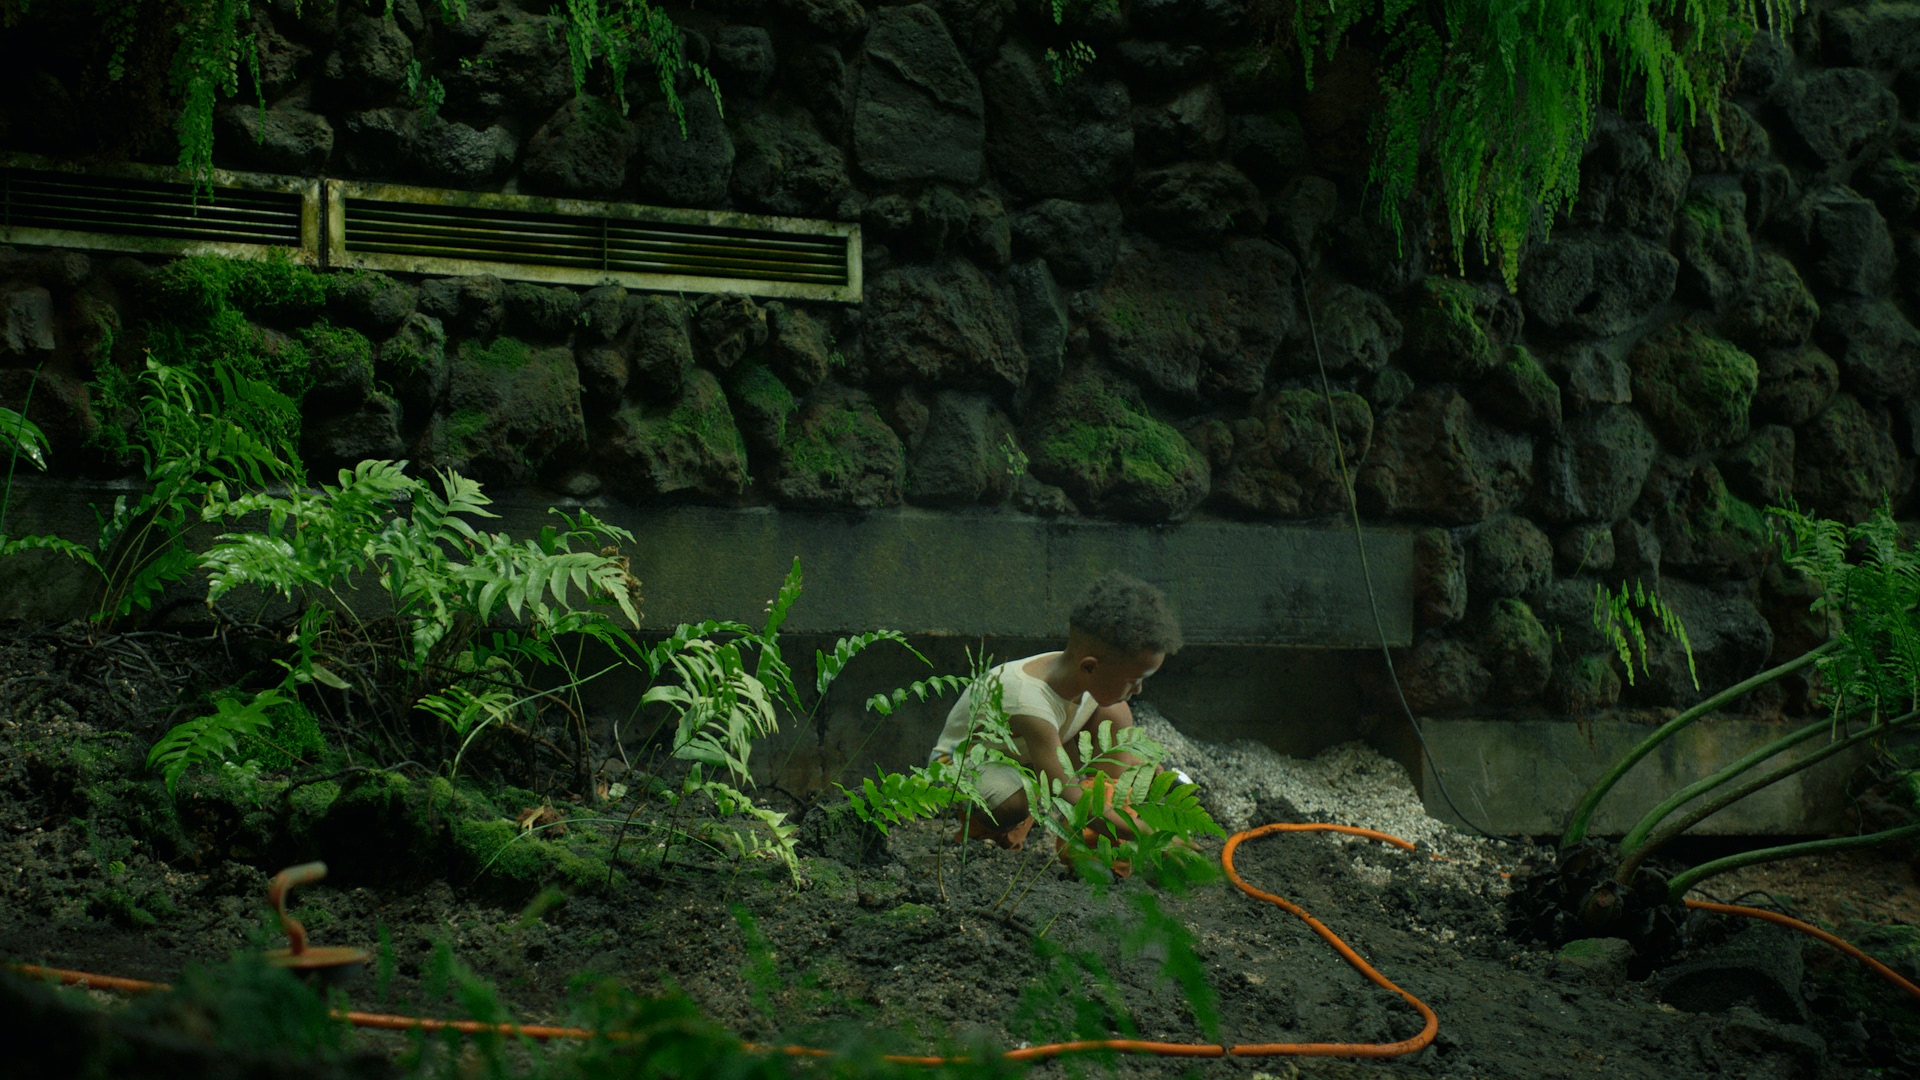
828,666
919,690
210,738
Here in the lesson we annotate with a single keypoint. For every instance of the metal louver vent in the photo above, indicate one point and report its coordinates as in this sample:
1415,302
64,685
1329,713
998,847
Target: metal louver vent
147,209
566,241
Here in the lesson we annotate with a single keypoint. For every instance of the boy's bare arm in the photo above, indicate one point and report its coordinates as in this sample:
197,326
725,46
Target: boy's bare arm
1046,756
1119,716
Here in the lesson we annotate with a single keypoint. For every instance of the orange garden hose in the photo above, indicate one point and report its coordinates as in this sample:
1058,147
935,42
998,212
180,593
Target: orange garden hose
1415,1044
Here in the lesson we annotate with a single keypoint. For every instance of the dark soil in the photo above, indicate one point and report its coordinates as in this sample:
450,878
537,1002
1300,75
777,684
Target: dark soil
103,873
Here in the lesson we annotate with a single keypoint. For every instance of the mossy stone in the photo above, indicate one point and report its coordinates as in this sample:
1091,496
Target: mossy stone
1583,686
1281,460
1696,388
840,454
199,287
530,398
1516,649
693,445
1511,557
1096,440
1716,254
763,405
1705,531
1446,339
341,362
1520,394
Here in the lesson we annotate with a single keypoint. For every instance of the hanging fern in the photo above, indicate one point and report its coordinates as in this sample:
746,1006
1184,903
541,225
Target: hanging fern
1616,616
1489,105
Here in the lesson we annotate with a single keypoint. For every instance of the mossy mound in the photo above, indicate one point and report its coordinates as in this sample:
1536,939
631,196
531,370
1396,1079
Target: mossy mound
1697,388
1096,440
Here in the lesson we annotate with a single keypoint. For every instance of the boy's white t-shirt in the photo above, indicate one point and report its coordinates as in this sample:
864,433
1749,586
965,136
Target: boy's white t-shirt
1021,694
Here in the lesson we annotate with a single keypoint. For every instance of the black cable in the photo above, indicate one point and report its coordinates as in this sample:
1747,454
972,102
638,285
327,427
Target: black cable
1366,573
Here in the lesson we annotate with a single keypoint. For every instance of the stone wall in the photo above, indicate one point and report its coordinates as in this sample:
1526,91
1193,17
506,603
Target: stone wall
1117,275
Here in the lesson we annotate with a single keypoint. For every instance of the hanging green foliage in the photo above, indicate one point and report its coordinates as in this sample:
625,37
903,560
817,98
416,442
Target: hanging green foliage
217,41
1488,105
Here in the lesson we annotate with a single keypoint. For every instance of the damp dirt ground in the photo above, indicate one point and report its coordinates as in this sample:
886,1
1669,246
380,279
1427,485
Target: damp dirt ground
921,940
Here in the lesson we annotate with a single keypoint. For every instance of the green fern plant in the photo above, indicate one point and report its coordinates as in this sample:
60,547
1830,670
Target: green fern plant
1488,106
211,738
1617,615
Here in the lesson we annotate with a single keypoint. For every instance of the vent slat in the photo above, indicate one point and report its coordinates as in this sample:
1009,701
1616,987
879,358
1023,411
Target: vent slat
105,206
424,224
521,243
28,200
624,260
142,218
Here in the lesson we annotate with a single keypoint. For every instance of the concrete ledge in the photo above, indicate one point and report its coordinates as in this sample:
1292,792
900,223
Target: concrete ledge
1525,776
922,572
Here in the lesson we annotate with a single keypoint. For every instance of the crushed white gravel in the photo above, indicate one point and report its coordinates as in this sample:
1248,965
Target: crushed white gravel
1348,784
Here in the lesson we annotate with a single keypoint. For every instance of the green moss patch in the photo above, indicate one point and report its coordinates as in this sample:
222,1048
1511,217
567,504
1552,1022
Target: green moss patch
1098,442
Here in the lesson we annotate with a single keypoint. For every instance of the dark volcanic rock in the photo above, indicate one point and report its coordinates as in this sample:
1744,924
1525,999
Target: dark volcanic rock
1282,461
1094,438
1876,348
1434,459
1042,308
1516,649
693,168
1729,638
1845,461
536,311
1778,310
1511,557
658,342
690,446
1838,110
342,440
511,408
728,326
744,60
1695,387
962,457
283,139
474,305
1706,532
1875,35
941,325
918,113
1080,241
1520,394
1589,377
1192,124
1848,248
783,166
1357,332
458,154
1195,203
1716,254
370,301
1625,183
1596,286
1047,141
1439,579
1760,470
581,150
800,347
1594,470
1191,324
1455,329
1437,675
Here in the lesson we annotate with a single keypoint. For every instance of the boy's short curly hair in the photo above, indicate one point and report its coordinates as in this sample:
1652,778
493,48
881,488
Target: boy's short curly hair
1127,614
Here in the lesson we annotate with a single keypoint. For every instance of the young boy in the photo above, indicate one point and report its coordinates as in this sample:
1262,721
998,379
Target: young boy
1118,635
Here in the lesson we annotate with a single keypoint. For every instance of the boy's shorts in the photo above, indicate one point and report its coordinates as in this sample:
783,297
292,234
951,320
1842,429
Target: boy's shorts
996,783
